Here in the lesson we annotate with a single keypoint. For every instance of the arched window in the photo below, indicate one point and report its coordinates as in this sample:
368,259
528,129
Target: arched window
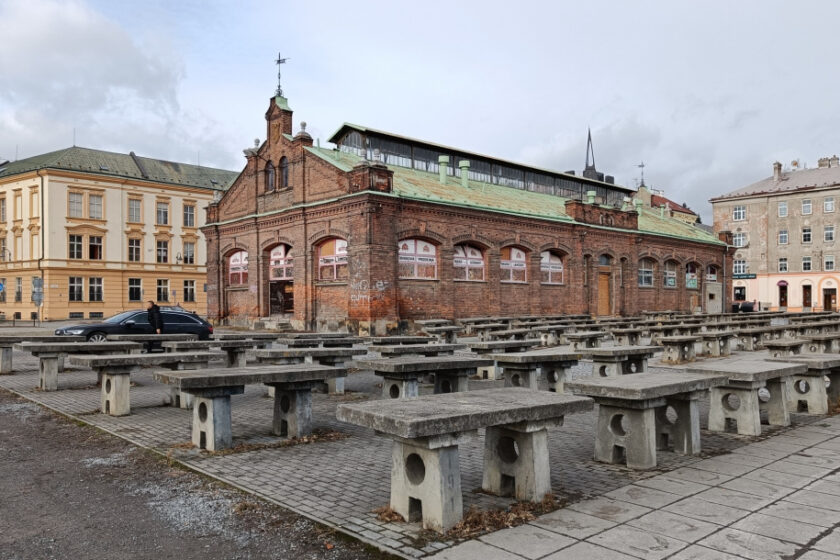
712,273
551,267
238,268
604,260
284,172
418,259
670,278
691,276
514,265
468,263
646,272
281,263
269,177
332,259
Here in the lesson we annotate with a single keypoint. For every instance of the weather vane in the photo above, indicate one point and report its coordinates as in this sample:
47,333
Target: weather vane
280,60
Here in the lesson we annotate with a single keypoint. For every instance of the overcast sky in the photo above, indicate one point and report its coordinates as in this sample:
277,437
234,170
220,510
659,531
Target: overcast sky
707,94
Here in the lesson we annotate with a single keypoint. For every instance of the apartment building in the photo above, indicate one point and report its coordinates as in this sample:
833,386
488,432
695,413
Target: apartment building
785,230
88,233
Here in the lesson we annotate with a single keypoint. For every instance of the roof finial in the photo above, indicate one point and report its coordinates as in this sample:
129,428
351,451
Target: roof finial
642,167
280,60
589,150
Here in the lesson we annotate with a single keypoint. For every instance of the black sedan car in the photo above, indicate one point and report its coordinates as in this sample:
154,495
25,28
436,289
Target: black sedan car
137,322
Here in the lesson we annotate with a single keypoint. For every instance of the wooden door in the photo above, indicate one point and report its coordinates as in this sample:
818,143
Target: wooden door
782,296
806,296
604,294
829,299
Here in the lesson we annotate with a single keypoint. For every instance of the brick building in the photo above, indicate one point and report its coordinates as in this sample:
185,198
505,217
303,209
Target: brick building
383,229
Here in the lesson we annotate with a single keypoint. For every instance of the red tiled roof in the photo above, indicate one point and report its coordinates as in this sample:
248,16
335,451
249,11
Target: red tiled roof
656,201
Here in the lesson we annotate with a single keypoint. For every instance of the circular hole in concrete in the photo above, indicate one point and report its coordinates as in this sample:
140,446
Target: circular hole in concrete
731,402
670,415
394,391
602,371
445,386
515,380
763,395
827,381
108,386
634,367
507,449
285,403
415,469
202,412
812,348
553,376
617,425
802,387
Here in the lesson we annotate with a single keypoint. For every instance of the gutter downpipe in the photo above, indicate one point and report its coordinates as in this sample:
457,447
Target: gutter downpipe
43,245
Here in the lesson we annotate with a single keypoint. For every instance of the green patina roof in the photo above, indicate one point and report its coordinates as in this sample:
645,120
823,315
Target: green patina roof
113,164
422,185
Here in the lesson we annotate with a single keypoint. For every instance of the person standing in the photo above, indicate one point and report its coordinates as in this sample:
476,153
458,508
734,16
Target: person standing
155,317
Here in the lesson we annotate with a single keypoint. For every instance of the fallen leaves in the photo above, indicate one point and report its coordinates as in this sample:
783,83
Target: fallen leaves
476,522
387,515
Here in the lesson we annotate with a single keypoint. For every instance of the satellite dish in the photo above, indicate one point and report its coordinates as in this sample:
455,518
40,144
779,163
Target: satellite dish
794,163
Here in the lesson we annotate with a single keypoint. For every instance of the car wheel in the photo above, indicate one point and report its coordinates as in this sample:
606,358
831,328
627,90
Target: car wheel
97,337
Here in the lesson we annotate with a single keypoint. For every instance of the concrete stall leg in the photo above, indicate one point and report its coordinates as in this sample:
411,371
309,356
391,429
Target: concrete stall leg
61,363
211,429
115,399
808,394
445,383
5,359
180,399
521,377
236,358
48,373
606,368
626,435
516,463
400,388
556,377
833,389
733,404
292,412
683,433
426,484
777,406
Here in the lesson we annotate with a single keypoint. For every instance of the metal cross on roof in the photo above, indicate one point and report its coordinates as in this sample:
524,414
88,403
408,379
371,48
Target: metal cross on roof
280,60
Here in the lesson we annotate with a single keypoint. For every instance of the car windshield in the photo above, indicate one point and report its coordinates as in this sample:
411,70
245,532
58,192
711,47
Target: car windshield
119,318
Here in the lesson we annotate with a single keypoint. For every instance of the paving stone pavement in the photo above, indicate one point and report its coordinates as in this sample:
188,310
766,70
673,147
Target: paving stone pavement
736,500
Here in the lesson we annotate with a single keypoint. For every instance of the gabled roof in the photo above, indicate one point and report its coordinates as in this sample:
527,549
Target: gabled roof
414,184
789,181
657,201
131,166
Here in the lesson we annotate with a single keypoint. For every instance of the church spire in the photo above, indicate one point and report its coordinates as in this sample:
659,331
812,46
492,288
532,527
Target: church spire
589,150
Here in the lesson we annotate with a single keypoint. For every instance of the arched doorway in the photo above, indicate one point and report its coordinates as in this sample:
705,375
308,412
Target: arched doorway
605,295
281,290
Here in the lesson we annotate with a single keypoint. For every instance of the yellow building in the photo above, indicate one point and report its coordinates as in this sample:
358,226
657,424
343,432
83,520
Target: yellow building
92,233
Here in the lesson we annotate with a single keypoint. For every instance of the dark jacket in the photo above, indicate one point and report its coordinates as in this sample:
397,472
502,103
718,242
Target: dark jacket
155,318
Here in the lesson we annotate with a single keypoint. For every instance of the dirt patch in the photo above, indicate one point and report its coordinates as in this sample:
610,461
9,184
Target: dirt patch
73,492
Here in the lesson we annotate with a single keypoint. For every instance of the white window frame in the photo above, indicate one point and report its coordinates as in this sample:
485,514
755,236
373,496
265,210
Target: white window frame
807,232
828,204
828,234
783,264
512,265
739,239
807,207
828,263
809,262
418,254
552,268
739,267
783,237
739,213
646,274
783,209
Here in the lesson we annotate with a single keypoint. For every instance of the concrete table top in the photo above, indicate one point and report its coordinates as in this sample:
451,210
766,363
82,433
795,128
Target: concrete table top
445,328
717,334
821,337
143,359
428,364
395,340
416,348
537,356
645,386
9,339
312,335
612,351
152,337
248,336
748,370
502,344
194,380
586,334
432,322
448,413
208,344
81,347
624,330
314,341
313,352
813,361
679,339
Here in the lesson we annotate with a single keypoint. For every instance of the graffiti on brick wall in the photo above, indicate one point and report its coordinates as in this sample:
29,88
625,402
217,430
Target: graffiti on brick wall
362,291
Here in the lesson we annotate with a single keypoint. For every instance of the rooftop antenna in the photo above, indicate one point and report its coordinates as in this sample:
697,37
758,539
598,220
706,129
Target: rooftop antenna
642,167
280,60
74,136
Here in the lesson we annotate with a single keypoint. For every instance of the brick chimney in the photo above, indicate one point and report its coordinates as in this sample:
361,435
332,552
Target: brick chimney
777,171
